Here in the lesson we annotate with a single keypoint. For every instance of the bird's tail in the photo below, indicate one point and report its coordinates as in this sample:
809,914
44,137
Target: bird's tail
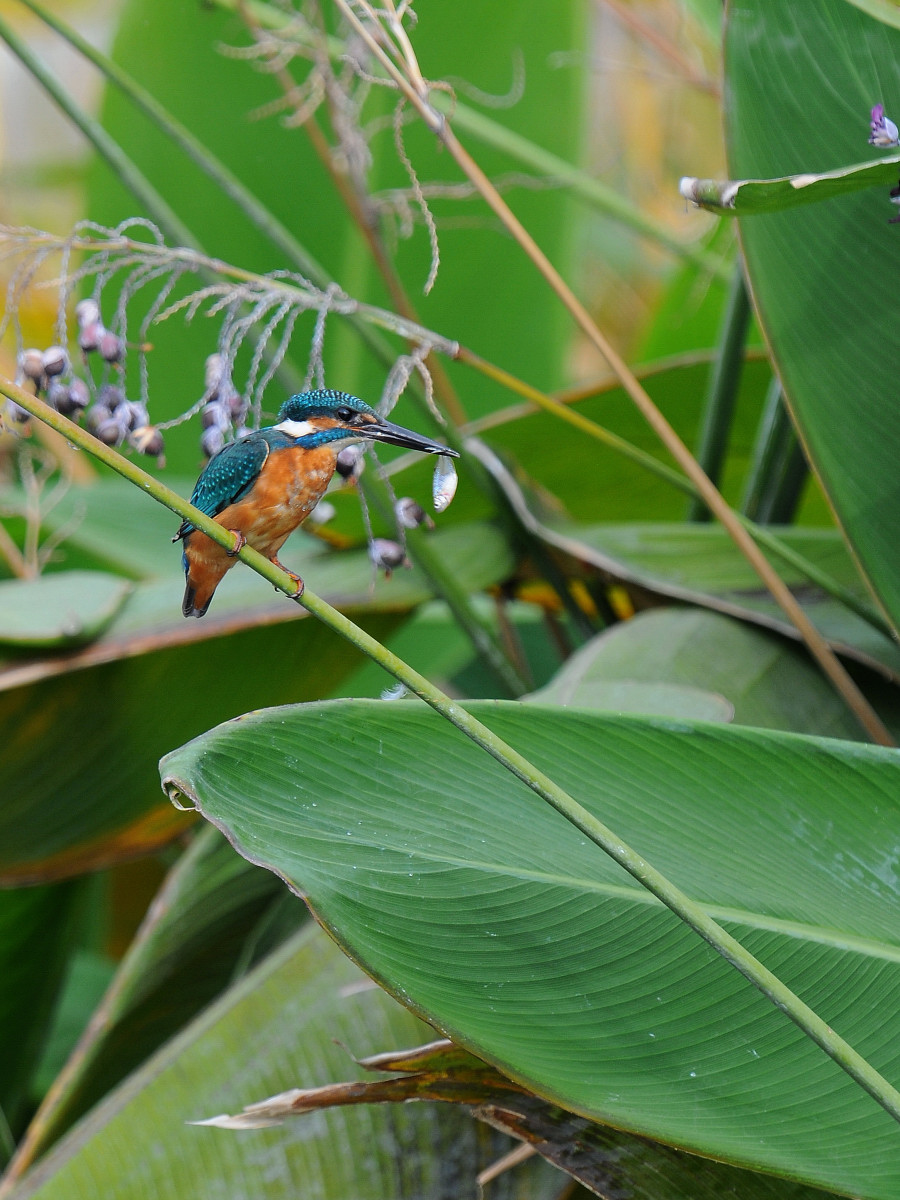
190,605
201,581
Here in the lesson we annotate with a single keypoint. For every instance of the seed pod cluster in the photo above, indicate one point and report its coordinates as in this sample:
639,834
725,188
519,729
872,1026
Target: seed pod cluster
113,418
224,414
50,374
93,334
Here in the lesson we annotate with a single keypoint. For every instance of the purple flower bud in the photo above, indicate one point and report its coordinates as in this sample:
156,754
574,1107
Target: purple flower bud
215,416
111,347
235,404
135,414
350,462
387,555
12,412
213,373
87,312
90,335
79,393
58,397
212,441
111,396
111,431
55,360
884,131
96,416
410,514
32,364
147,439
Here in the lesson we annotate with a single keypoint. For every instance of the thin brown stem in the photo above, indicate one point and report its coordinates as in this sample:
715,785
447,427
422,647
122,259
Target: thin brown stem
818,646
13,556
362,215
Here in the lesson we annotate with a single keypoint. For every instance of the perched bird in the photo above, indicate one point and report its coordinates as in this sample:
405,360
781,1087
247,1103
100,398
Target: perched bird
263,485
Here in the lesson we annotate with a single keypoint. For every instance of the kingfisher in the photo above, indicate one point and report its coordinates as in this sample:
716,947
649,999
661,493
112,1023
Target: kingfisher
262,486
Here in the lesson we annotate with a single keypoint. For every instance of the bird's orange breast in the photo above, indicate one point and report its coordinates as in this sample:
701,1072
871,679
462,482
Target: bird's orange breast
290,485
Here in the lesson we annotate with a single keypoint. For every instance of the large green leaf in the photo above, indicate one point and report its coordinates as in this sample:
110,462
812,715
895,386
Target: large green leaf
57,612
801,81
701,565
485,911
36,927
212,920
298,1017
765,680
86,729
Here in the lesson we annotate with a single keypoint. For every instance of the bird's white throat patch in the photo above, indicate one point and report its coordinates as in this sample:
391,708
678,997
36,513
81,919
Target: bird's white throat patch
299,429
296,429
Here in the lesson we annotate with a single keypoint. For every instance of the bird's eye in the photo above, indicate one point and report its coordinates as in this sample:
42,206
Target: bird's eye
344,414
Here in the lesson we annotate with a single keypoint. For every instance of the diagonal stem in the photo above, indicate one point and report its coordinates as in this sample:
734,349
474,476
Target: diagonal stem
722,388
294,252
688,910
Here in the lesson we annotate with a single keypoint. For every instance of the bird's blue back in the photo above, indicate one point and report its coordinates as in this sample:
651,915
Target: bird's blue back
231,473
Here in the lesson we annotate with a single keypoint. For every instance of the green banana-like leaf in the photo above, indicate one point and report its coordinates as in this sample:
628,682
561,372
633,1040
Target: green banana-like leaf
487,913
766,681
29,986
801,80
86,729
211,921
746,197
296,1019
57,612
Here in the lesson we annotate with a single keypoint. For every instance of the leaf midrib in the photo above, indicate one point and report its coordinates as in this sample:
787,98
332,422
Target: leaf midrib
800,930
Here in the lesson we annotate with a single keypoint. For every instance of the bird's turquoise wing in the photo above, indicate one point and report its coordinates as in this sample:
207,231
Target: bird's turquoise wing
228,476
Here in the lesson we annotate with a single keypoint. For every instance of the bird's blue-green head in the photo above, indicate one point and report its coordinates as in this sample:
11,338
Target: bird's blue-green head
326,417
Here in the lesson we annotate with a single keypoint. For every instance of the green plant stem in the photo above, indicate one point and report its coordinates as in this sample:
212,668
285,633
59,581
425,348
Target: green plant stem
789,488
761,535
767,451
479,633
671,896
722,390
778,469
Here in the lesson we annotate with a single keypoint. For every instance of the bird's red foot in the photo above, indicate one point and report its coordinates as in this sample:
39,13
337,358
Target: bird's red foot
293,574
242,542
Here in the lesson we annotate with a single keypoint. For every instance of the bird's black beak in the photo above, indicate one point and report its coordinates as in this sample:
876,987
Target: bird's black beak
396,435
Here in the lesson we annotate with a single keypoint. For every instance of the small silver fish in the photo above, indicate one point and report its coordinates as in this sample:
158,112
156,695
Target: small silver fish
445,480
